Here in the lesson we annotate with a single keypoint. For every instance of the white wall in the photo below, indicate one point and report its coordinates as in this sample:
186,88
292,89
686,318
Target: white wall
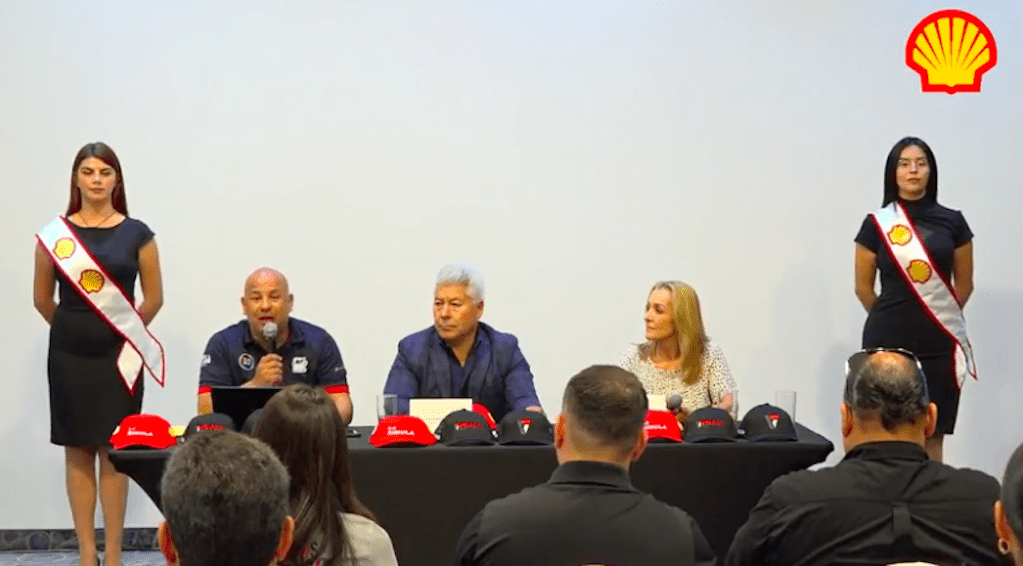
577,151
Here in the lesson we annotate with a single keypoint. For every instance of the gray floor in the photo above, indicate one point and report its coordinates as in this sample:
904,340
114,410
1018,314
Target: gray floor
128,558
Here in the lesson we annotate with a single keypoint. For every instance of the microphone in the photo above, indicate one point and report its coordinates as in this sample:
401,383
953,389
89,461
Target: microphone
270,333
674,400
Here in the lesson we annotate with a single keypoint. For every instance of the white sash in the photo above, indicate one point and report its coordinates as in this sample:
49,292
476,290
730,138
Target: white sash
105,296
917,268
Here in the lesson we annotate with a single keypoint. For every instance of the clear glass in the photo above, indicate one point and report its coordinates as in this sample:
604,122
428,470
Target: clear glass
387,405
735,405
786,400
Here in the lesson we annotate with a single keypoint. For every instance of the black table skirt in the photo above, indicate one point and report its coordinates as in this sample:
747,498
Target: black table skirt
425,496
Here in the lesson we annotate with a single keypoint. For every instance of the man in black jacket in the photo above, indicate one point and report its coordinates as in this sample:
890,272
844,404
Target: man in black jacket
885,502
588,512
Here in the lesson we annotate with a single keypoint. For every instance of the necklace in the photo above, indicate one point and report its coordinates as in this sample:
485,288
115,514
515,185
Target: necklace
100,223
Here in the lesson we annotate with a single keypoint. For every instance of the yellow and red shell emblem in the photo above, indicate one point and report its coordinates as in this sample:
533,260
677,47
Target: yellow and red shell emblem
64,248
900,235
91,280
919,271
951,50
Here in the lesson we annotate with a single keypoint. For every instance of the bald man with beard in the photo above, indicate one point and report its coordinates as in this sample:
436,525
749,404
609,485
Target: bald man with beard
241,354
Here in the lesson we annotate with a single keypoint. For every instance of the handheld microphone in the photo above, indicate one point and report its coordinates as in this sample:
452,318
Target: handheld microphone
270,333
674,402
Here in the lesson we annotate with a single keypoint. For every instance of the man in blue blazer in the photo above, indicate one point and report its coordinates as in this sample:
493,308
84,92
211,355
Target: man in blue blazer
459,356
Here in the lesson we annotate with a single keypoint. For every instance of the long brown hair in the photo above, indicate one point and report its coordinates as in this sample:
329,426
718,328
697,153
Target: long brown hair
692,339
302,425
100,151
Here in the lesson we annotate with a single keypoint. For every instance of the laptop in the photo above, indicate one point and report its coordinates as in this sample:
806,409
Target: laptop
239,402
433,410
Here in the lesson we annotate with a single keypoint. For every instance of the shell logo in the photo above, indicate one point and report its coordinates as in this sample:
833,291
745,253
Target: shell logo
951,50
64,248
900,235
91,280
919,271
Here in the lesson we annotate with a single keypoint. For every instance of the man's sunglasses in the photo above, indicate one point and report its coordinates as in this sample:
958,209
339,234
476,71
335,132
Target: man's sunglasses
855,363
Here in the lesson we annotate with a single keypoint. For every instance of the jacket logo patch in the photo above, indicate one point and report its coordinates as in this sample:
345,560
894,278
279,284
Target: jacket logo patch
246,361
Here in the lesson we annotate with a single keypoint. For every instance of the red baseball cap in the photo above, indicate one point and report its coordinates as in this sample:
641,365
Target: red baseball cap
479,408
143,431
402,430
661,426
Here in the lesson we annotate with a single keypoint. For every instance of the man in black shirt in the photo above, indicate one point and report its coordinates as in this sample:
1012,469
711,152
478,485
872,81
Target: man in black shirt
885,502
588,512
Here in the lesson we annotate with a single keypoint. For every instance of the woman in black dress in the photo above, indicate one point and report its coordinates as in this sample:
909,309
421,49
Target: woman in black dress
88,397
896,318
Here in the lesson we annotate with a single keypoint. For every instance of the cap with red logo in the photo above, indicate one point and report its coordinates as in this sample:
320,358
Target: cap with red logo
402,430
710,424
209,421
525,427
465,428
143,431
662,426
767,423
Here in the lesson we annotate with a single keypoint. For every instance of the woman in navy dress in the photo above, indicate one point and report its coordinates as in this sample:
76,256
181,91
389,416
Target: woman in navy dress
896,319
88,397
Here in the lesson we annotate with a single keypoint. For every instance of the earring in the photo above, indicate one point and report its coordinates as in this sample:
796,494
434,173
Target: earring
1003,546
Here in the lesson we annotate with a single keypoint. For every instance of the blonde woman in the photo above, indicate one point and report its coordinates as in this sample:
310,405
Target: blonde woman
677,357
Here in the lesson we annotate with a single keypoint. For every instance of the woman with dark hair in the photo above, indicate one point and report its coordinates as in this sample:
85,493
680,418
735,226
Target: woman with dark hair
924,253
332,527
1009,509
99,343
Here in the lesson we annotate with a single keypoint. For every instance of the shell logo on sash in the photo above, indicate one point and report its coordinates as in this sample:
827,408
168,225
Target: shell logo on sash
951,50
91,280
64,248
919,271
900,235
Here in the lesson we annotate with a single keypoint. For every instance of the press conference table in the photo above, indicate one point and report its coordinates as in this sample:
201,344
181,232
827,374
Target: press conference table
425,496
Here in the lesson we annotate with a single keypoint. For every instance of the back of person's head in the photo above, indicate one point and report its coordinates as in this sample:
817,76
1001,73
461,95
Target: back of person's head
1009,508
225,500
888,388
301,424
603,411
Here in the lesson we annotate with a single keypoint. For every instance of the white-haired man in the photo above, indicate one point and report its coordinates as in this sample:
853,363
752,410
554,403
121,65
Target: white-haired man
459,356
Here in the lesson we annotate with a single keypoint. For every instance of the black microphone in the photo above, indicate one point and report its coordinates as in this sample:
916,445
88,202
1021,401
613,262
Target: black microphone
270,333
674,402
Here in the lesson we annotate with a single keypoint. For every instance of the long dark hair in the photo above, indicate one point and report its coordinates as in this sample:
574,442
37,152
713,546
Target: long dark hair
302,425
100,151
891,186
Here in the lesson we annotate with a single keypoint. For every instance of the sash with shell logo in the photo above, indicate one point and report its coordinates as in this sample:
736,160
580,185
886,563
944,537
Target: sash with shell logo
101,291
914,262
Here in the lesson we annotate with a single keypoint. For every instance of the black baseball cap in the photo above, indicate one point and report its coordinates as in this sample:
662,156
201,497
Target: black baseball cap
465,428
767,423
251,421
209,421
710,424
525,427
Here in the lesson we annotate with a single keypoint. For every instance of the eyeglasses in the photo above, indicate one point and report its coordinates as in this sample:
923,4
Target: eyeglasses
856,362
